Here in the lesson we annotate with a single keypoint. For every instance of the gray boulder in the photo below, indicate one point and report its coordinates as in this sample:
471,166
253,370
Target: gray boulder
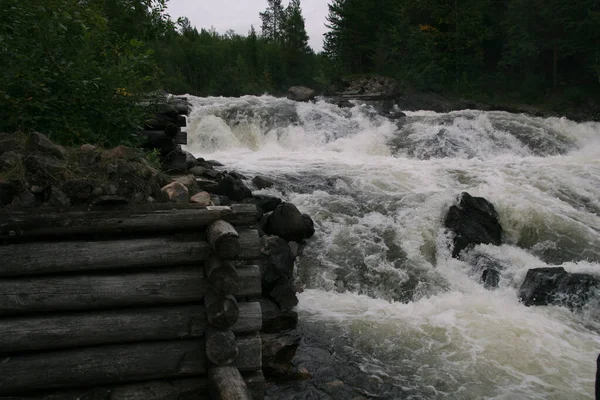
287,222
300,93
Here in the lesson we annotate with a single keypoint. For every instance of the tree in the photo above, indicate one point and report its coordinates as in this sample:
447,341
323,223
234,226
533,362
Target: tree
272,21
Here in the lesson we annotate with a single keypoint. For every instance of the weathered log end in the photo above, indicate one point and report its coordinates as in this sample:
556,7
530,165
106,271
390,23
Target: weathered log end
222,311
221,348
224,239
222,275
226,383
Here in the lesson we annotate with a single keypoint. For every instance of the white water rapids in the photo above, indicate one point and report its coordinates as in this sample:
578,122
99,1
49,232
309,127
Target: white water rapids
379,270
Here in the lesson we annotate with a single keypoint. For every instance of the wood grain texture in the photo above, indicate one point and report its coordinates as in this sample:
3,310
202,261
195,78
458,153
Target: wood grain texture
114,364
87,292
224,239
21,334
26,259
144,218
222,275
194,388
222,312
221,347
226,383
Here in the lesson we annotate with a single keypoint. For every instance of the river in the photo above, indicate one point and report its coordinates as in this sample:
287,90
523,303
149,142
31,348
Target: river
378,273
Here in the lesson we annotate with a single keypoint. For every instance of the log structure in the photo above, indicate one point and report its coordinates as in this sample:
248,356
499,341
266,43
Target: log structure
129,304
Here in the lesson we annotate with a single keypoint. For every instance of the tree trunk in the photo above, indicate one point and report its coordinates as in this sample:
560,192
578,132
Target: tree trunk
226,383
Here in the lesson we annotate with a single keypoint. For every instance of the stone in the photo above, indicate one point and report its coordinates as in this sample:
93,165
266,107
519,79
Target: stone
284,295
97,191
295,248
175,161
197,171
201,198
160,141
190,160
473,221
556,286
214,174
189,181
177,192
395,115
214,163
25,199
262,182
278,350
10,160
370,88
41,143
238,176
300,93
277,261
10,143
58,199
274,319
264,204
288,223
112,189
231,187
119,153
45,166
88,155
220,200
105,201
8,191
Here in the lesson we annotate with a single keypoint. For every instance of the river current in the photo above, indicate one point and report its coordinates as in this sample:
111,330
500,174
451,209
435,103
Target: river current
379,272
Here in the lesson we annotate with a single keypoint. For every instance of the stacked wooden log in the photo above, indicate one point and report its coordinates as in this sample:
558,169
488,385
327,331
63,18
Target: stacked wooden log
163,132
141,303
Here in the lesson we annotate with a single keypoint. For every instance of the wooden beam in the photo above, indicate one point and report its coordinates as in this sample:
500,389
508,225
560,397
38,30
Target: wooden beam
147,218
25,259
226,383
222,275
222,312
114,364
34,333
87,292
181,138
195,388
224,239
221,347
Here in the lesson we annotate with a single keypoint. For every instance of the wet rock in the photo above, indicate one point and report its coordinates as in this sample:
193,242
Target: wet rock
295,248
215,163
202,199
59,199
41,143
274,319
277,261
177,193
220,200
106,201
237,175
197,171
119,153
555,286
175,161
189,181
233,188
278,350
288,223
112,189
300,93
473,221
395,115
284,294
486,268
213,174
262,222
370,88
264,204
262,182
87,155
190,160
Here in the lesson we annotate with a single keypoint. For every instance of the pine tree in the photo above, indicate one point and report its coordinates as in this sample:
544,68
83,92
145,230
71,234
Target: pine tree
272,20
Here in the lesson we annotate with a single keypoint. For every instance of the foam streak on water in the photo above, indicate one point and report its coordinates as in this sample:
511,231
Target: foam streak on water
378,269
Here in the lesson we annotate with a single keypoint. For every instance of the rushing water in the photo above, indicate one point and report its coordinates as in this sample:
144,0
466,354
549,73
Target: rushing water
378,270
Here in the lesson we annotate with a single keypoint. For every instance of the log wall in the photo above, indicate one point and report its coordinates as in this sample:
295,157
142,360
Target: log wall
147,303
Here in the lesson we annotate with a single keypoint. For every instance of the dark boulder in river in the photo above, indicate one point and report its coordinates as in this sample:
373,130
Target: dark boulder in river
486,268
473,221
288,223
555,286
300,93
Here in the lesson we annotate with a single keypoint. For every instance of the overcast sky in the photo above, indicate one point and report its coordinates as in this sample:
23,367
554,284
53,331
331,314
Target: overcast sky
240,14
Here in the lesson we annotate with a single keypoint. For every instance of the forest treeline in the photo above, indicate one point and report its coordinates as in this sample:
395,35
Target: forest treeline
79,70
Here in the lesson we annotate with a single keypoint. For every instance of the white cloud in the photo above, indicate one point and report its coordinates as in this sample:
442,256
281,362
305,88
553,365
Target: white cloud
239,15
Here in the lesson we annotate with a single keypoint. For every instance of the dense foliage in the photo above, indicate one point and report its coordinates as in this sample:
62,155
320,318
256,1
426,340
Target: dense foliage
206,62
75,69
533,48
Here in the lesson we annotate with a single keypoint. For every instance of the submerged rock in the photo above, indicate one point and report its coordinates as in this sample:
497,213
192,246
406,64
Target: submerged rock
487,269
555,286
262,182
473,221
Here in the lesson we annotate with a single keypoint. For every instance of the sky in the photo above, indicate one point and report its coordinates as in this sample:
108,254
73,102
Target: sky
239,15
